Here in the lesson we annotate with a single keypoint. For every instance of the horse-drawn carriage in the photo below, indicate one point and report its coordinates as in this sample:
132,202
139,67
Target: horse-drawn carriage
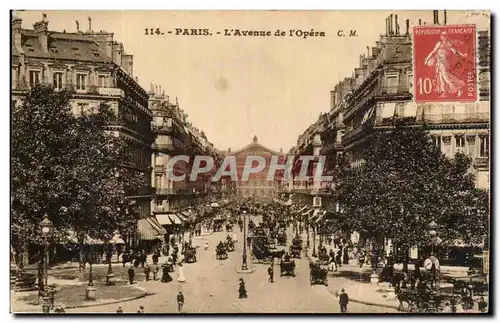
190,254
287,268
262,251
281,239
229,244
317,274
217,224
220,251
296,248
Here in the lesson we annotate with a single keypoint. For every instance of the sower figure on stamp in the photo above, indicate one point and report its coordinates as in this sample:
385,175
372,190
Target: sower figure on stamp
447,82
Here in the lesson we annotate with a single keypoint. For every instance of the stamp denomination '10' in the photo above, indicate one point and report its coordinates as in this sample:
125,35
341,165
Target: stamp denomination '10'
445,63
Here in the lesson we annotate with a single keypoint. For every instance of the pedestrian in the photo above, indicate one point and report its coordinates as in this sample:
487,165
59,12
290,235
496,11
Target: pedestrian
124,258
482,306
165,278
156,269
270,272
343,300
235,239
180,301
141,310
155,258
206,244
119,310
147,271
131,274
143,258
362,257
242,290
180,274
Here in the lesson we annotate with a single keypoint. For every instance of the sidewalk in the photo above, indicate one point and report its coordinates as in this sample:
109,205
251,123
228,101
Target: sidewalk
356,281
71,294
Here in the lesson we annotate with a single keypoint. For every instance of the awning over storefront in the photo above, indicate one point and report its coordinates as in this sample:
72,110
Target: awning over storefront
321,215
147,230
315,214
183,216
307,212
175,219
117,239
163,219
302,209
72,238
157,225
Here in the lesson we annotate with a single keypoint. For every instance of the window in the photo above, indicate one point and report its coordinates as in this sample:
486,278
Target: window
391,84
57,80
80,81
82,108
484,150
103,81
410,83
34,77
460,142
169,122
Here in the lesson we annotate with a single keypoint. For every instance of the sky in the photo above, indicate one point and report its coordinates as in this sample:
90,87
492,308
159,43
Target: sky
233,88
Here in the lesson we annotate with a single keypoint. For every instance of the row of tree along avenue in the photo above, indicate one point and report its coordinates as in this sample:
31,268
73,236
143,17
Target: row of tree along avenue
404,184
70,168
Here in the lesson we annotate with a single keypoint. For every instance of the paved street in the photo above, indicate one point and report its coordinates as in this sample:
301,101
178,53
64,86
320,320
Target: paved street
212,287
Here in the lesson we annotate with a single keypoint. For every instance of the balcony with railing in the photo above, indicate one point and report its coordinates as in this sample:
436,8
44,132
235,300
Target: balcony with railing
85,89
477,117
393,91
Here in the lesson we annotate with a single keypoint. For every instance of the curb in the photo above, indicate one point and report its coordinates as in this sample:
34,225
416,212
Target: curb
362,302
144,294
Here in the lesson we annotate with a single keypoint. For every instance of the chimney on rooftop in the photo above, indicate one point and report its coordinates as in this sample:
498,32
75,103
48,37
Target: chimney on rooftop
90,25
151,88
16,32
128,63
436,17
444,22
387,26
42,30
407,27
391,25
420,22
397,25
117,53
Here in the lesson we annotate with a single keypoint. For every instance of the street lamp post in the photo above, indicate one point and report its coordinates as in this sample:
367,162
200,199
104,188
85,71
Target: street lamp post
244,265
433,262
90,290
46,226
110,276
314,241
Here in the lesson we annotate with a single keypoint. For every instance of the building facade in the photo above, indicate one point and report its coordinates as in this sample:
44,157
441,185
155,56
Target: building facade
175,135
257,184
383,92
96,69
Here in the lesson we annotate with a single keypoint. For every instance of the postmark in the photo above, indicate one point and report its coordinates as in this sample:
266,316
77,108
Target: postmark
444,60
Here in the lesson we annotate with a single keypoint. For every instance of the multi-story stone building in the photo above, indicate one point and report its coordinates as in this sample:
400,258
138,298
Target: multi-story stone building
176,136
97,70
257,184
383,92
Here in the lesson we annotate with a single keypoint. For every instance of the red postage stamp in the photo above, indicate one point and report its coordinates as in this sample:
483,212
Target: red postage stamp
444,60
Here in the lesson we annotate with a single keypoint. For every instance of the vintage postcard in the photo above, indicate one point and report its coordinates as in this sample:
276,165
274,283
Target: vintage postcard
206,162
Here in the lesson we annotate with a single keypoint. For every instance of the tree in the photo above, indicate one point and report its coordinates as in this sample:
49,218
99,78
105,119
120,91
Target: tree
42,131
406,182
75,169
